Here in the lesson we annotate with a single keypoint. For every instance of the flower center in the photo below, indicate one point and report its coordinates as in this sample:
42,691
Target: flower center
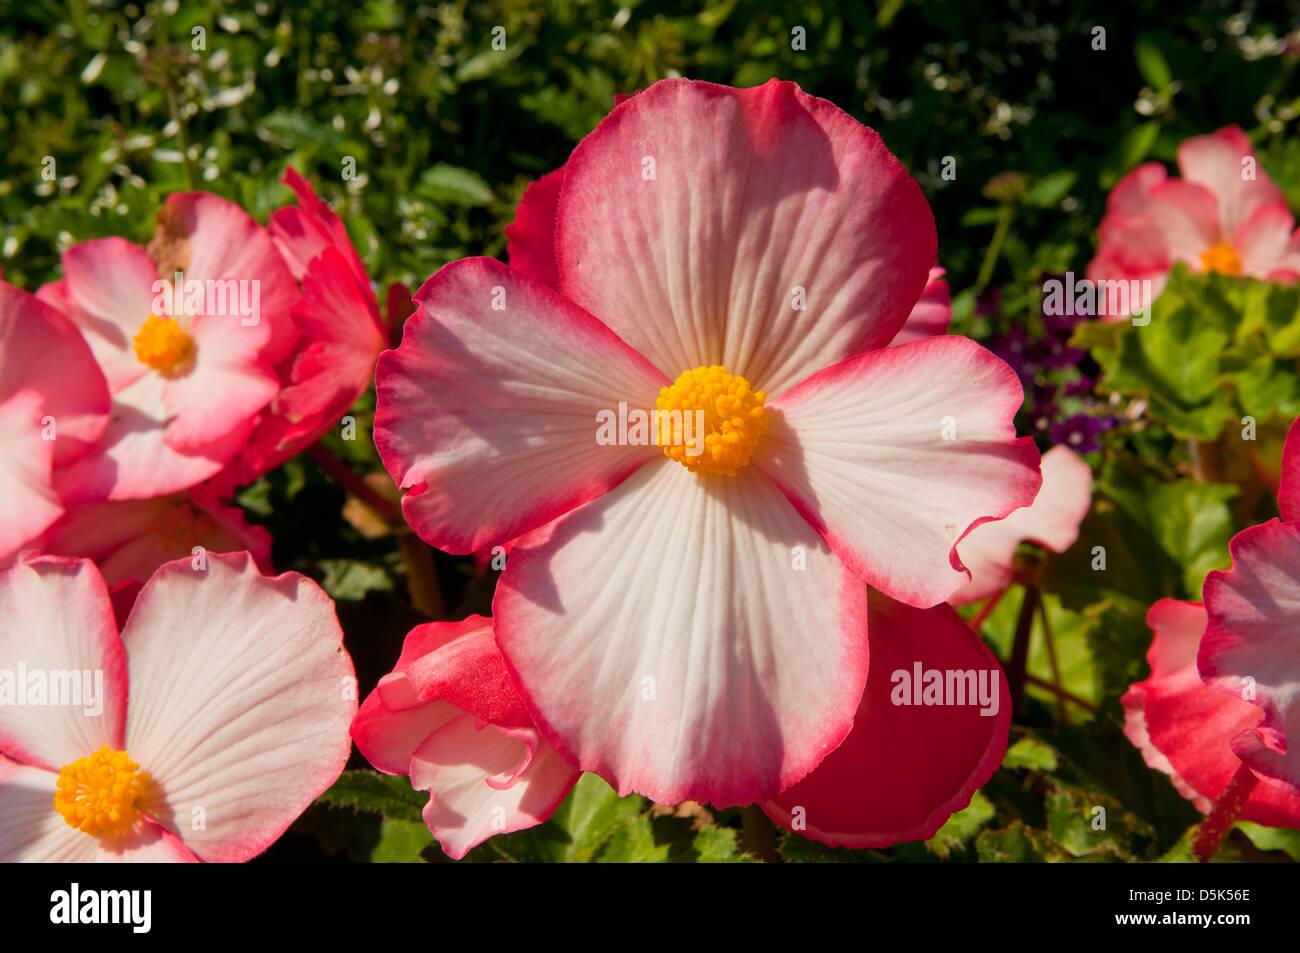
162,344
1221,258
97,794
734,419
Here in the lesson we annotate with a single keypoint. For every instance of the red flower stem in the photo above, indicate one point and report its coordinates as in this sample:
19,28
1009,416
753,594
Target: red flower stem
1220,820
987,609
342,474
1017,667
1051,657
1059,692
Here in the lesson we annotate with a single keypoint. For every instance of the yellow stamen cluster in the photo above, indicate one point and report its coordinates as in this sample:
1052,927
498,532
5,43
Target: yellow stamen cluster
97,794
162,344
1221,258
734,420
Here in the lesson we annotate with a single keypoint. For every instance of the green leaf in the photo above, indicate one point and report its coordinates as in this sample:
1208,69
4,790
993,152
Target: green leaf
1016,844
452,184
1267,389
1049,191
1087,823
400,842
391,796
633,842
1270,310
1132,149
591,814
980,216
1193,523
718,845
1151,64
589,822
795,848
961,827
1272,838
1118,638
1174,363
351,579
1030,753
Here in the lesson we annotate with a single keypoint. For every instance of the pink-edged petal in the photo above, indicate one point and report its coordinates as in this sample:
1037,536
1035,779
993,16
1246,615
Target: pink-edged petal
894,455
1051,521
932,314
1254,633
212,239
687,638
28,502
762,229
43,352
132,538
31,831
1177,628
241,697
1184,729
1268,244
343,337
1216,162
226,363
456,662
906,767
1288,490
108,292
487,781
388,739
57,629
133,459
530,238
489,418
1133,191
302,233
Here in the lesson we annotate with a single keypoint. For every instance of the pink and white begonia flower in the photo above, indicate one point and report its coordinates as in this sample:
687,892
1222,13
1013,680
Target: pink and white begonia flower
920,745
53,407
210,723
451,718
189,366
1185,729
691,626
341,335
1051,521
1225,214
129,539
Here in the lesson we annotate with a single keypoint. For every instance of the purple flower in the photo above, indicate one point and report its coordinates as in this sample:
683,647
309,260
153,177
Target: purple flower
1055,353
989,301
1014,347
1079,432
1080,388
